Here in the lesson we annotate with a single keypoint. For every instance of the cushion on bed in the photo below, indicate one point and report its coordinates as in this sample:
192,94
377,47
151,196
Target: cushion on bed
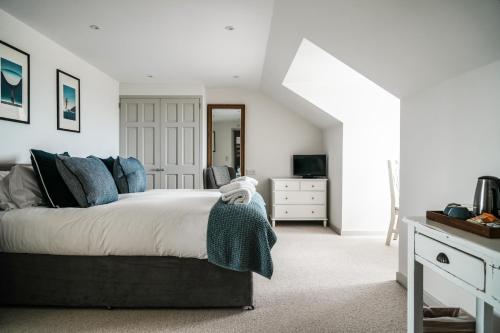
51,184
88,180
129,175
23,187
108,162
6,202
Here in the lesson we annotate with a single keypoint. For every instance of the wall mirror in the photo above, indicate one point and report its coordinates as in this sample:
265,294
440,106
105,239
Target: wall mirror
226,136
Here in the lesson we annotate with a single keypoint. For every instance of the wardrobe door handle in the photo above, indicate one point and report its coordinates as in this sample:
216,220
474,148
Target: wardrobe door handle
443,258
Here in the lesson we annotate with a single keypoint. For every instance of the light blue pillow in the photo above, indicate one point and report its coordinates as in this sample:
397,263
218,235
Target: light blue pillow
129,174
88,179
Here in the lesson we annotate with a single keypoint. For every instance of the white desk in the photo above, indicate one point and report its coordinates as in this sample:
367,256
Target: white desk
470,261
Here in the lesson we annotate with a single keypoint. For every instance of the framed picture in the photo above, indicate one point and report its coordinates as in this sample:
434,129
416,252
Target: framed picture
68,102
15,84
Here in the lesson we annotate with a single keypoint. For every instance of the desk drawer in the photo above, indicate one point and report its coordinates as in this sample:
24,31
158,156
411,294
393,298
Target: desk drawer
460,264
297,197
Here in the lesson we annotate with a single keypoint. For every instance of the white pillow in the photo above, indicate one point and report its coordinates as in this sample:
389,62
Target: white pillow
23,187
6,202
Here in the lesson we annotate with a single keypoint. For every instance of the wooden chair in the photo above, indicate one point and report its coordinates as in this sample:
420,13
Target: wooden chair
392,232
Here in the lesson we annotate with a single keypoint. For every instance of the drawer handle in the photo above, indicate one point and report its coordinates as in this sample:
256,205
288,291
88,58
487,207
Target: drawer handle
443,258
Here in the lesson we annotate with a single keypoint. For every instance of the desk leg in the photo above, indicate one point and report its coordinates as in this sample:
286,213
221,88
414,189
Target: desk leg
415,287
484,317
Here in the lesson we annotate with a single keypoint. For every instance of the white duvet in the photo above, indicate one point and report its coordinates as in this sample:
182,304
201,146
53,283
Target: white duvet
153,223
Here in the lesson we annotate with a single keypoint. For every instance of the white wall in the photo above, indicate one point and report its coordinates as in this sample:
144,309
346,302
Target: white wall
369,137
159,89
333,141
272,135
99,101
450,135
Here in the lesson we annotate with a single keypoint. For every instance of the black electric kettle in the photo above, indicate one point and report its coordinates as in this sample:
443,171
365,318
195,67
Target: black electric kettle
487,196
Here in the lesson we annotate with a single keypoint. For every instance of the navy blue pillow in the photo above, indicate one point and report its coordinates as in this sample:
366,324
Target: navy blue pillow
88,180
108,162
129,175
52,186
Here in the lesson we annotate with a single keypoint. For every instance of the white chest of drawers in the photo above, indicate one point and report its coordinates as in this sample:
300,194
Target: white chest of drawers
299,199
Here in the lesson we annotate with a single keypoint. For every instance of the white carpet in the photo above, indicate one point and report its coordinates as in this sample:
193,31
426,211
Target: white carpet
322,283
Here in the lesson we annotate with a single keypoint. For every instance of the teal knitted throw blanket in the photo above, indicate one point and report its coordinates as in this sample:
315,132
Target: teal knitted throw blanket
240,238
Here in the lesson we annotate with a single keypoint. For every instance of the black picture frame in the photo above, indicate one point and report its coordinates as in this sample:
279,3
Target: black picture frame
60,127
28,101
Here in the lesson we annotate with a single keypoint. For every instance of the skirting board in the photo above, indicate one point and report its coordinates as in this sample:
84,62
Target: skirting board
357,232
428,298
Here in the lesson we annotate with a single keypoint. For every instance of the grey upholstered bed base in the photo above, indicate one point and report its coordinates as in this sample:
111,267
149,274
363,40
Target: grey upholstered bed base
115,281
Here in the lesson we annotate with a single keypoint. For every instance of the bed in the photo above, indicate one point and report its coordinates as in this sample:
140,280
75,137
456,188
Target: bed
118,255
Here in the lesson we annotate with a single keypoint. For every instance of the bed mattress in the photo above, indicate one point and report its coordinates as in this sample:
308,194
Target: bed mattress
153,223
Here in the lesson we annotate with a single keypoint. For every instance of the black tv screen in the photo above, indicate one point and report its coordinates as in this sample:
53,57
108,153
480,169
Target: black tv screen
309,165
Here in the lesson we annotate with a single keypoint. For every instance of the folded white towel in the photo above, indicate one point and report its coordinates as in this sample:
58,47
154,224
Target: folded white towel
237,185
251,180
241,196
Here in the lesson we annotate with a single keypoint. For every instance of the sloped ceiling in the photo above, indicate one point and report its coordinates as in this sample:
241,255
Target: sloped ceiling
402,45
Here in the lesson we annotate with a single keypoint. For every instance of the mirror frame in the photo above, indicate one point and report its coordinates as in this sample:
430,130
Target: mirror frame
241,107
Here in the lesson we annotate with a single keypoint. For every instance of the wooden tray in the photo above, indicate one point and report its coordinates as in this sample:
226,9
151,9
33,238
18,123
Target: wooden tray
481,230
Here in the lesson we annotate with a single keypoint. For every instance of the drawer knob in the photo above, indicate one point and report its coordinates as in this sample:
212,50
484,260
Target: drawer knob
443,258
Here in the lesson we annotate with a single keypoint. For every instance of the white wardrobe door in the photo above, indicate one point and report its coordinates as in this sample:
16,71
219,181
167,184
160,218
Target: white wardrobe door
140,135
180,142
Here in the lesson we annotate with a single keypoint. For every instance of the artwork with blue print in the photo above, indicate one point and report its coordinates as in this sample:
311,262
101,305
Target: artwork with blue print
12,83
69,102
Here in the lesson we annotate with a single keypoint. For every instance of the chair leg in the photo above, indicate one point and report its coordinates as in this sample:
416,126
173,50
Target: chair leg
390,231
396,228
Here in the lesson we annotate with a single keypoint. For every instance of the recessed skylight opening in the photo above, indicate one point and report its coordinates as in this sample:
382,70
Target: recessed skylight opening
330,84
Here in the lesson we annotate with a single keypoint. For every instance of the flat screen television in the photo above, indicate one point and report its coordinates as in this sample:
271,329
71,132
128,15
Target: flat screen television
309,166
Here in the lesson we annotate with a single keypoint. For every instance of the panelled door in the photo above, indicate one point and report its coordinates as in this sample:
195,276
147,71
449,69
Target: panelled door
164,134
140,135
181,141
